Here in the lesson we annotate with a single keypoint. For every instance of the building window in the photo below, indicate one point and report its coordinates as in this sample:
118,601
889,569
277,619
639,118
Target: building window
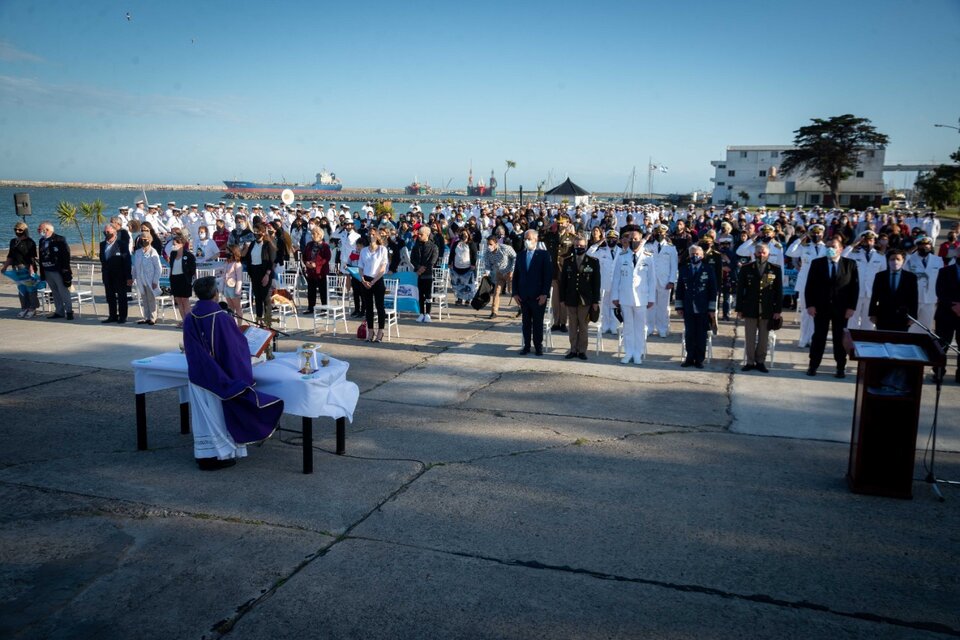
815,199
743,154
774,154
763,173
721,166
730,186
859,174
721,184
870,153
731,173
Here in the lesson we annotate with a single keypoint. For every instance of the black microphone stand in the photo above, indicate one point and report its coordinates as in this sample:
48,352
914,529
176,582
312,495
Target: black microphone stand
276,332
932,478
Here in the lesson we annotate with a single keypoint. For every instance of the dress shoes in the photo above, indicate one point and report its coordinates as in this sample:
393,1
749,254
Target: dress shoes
54,316
570,356
122,321
69,315
686,363
698,365
582,356
748,367
539,351
524,351
811,371
626,360
109,320
142,321
212,464
840,373
762,368
555,327
563,328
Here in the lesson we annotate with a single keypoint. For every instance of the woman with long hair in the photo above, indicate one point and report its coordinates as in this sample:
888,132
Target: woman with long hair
373,266
259,262
233,280
22,257
463,266
183,269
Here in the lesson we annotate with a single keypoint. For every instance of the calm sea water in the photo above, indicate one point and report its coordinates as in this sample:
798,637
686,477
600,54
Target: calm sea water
44,205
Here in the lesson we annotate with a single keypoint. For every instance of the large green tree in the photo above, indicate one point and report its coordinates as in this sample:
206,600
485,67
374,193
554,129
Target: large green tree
941,187
829,149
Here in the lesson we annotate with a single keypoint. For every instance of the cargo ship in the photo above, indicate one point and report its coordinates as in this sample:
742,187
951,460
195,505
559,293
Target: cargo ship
415,188
481,190
325,183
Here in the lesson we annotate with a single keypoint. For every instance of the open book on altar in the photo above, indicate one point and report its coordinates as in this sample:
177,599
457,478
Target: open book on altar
258,339
889,350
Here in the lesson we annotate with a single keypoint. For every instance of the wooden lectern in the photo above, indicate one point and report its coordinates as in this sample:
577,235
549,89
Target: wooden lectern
886,410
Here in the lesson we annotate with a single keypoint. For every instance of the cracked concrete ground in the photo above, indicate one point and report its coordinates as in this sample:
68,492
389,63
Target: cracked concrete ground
483,495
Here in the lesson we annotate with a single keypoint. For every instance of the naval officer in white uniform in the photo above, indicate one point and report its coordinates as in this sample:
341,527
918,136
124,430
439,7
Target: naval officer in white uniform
634,292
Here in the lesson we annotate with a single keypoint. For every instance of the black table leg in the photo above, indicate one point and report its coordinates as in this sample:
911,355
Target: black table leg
308,445
184,418
341,435
141,422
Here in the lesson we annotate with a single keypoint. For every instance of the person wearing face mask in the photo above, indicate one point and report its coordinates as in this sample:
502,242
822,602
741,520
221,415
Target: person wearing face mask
206,249
606,254
696,303
869,261
22,258
116,272
806,249
894,295
146,275
183,270
634,292
926,267
532,279
259,262
947,315
830,295
759,300
241,236
766,234
666,265
221,237
580,291
55,270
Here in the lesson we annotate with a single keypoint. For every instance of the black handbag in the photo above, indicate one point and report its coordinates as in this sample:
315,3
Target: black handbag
775,324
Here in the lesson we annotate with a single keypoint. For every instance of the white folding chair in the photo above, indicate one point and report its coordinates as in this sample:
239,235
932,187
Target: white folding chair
283,310
390,302
594,328
336,307
291,284
83,292
165,300
438,292
771,348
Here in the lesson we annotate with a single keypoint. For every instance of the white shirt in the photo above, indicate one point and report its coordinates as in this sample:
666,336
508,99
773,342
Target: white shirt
373,262
255,251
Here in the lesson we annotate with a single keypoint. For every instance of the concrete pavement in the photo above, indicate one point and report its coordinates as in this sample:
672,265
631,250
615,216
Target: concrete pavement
483,494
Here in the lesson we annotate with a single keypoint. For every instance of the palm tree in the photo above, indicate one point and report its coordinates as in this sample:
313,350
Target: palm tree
67,214
743,195
510,165
92,212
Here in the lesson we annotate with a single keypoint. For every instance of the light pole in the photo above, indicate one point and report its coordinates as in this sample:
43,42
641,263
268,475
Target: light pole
949,126
510,165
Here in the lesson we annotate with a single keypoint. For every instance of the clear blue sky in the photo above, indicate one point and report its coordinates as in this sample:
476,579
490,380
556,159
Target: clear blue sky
201,91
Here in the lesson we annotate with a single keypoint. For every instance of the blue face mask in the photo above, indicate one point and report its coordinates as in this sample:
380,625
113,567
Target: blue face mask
831,252
695,260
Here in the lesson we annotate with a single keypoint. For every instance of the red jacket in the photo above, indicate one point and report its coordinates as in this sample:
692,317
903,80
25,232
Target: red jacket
317,253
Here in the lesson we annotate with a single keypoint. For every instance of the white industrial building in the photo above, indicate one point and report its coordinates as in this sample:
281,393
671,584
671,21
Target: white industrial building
756,171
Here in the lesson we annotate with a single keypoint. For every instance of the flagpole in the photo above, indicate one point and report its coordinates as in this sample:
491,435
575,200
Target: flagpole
650,178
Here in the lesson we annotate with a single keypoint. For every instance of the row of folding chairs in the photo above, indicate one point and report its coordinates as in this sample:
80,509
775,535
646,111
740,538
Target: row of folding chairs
335,310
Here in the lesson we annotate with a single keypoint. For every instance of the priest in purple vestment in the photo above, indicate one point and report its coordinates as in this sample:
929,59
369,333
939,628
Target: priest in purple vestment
227,412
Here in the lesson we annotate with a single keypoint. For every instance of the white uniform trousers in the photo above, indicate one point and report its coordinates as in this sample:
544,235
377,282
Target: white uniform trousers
806,322
925,316
608,321
660,322
634,332
861,317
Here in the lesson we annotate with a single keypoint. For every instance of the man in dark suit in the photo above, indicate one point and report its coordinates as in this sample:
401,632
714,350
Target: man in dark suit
759,300
947,316
116,271
696,303
532,278
580,294
831,293
895,295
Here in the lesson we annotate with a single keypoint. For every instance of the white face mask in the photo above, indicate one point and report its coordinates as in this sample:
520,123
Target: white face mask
531,245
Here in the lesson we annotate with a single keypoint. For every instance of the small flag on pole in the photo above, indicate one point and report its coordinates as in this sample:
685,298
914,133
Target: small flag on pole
663,169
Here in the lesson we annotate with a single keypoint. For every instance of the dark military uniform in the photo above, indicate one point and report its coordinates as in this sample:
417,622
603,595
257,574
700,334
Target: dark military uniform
759,296
696,298
579,290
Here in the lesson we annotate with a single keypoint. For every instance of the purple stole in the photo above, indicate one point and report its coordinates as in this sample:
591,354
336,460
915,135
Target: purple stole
218,360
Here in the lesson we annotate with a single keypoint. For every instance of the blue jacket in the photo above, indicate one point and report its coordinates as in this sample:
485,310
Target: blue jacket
535,281
697,294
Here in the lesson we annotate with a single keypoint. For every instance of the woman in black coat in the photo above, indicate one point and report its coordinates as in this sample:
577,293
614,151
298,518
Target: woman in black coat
183,271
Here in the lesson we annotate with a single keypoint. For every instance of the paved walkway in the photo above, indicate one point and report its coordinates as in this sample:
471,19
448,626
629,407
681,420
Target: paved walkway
484,494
